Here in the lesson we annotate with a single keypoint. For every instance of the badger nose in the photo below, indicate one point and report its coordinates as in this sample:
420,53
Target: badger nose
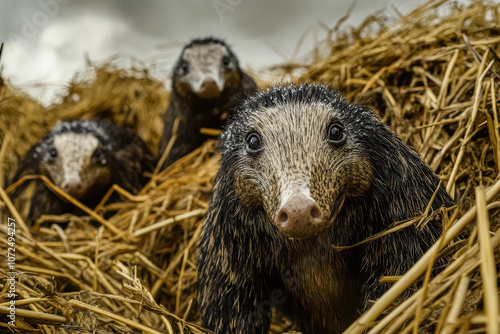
208,89
299,216
73,187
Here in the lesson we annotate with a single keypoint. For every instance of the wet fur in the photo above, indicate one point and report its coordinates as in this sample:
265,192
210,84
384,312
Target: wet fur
195,113
127,159
244,261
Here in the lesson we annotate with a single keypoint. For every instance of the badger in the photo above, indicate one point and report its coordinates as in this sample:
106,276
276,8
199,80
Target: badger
206,84
303,170
84,159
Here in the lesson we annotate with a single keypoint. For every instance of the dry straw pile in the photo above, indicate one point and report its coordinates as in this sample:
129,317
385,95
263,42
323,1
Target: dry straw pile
432,76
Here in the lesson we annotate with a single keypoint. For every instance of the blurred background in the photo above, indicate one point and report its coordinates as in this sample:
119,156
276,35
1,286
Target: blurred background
47,41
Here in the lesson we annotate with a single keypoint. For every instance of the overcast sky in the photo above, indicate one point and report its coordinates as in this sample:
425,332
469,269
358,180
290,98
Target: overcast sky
47,40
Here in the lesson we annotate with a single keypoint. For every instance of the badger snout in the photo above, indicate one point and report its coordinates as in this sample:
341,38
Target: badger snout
74,187
300,217
208,88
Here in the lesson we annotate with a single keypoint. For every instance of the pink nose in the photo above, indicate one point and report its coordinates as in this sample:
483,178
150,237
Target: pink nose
208,89
300,217
73,187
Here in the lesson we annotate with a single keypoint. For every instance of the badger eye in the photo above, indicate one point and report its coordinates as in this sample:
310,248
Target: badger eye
184,66
336,134
53,153
99,156
254,143
226,60
97,153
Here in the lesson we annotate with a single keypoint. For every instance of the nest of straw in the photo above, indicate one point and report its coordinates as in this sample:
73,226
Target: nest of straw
431,75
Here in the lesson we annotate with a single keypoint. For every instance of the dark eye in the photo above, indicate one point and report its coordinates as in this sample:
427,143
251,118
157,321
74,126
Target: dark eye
99,156
254,143
184,66
53,153
336,134
97,153
226,60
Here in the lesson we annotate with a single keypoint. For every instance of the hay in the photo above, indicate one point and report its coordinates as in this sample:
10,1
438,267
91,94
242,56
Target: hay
129,97
436,85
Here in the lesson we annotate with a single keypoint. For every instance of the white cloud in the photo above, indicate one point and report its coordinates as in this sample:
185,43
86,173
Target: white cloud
58,52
